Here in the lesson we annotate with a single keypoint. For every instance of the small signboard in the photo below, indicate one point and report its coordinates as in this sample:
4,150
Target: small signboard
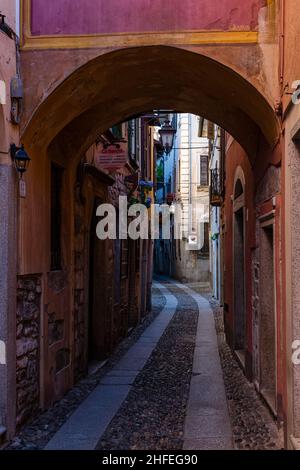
22,188
112,157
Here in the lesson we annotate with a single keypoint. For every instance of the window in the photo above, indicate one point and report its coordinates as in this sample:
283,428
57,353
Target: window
131,140
238,190
203,170
56,189
206,129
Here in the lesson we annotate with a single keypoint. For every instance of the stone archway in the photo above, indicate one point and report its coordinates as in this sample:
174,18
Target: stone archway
112,88
115,86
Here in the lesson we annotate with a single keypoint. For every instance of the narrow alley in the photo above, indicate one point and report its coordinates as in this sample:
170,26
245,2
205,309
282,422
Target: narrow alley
163,389
149,226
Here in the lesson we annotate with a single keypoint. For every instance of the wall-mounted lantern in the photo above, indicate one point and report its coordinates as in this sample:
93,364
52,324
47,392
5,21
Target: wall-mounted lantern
20,157
167,134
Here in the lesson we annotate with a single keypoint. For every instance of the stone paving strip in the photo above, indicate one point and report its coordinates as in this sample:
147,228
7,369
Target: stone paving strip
207,424
37,433
253,426
87,424
152,417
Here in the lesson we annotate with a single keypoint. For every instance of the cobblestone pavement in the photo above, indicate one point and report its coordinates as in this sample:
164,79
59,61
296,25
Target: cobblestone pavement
152,416
37,434
253,426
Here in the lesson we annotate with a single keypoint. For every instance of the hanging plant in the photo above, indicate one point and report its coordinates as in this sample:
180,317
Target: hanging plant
132,201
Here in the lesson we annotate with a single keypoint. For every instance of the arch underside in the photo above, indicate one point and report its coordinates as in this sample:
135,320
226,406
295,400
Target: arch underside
115,86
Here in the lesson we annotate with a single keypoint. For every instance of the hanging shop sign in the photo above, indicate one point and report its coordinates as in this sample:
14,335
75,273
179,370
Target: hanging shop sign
111,157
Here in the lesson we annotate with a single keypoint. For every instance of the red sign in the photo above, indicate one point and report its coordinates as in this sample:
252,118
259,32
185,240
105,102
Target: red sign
112,157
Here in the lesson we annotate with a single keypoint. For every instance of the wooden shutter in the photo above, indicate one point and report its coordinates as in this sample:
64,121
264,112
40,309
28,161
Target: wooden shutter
203,170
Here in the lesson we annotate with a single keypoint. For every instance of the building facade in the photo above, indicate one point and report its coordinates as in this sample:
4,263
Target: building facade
217,181
252,283
10,109
94,291
193,186
186,182
166,193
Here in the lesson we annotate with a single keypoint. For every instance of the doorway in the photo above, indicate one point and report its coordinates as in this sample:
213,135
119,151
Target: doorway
97,331
267,317
239,273
239,283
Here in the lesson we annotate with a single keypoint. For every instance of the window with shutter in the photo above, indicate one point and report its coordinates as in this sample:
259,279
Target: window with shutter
203,177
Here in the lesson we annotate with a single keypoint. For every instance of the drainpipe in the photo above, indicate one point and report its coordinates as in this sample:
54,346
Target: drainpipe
190,172
17,18
282,44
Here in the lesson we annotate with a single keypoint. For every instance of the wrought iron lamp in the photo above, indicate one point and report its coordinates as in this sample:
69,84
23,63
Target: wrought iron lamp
167,134
20,158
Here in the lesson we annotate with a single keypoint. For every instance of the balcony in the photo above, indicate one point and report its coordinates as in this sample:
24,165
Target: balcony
216,188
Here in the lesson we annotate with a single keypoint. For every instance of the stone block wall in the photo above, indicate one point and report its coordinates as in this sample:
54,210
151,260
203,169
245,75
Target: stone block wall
28,347
269,187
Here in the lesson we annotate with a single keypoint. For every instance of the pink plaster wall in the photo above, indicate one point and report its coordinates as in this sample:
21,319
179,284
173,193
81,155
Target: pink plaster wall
113,16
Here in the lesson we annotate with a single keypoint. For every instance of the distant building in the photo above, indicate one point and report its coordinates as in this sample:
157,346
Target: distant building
192,261
166,191
217,177
186,181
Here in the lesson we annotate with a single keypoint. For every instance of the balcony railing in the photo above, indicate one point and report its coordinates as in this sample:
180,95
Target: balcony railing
216,187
